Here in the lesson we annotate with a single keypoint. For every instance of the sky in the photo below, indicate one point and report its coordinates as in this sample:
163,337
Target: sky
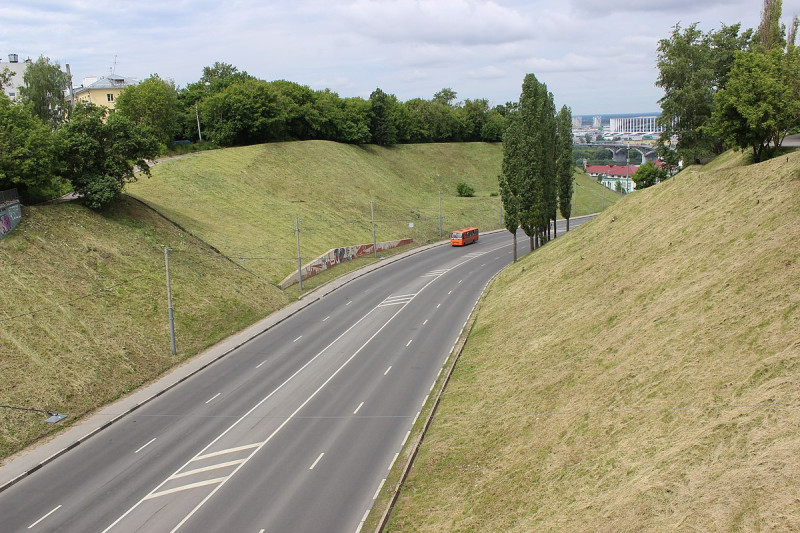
596,57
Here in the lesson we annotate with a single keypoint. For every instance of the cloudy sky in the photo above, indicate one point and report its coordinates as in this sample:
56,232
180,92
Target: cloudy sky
596,57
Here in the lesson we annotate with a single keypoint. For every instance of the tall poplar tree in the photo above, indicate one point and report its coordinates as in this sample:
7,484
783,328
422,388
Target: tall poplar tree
564,163
529,158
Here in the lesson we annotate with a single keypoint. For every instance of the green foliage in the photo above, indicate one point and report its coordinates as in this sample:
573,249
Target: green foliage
770,33
27,159
692,67
465,190
529,151
381,127
761,102
100,153
564,164
153,103
43,91
648,175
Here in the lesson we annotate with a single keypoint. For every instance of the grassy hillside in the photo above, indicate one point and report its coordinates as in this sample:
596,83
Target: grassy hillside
83,314
641,374
244,201
83,311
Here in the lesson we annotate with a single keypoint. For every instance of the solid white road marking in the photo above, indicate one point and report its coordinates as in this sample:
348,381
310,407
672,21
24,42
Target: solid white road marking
207,468
393,460
213,397
145,446
358,408
379,489
315,462
45,516
185,487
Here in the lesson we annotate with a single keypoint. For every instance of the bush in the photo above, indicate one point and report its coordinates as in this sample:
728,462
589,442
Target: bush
465,190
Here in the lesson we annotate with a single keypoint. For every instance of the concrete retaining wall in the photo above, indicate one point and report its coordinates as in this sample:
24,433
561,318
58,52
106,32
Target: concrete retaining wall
339,255
10,215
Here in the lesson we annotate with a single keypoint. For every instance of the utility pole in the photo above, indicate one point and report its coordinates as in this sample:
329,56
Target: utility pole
197,115
169,303
299,260
374,240
440,214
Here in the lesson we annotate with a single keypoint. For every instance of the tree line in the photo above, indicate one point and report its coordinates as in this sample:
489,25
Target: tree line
48,147
729,88
537,172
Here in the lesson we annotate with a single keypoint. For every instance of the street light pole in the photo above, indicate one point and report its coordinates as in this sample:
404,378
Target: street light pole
169,303
299,260
374,239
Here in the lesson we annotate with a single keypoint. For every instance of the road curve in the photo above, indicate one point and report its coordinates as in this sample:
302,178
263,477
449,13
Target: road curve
295,430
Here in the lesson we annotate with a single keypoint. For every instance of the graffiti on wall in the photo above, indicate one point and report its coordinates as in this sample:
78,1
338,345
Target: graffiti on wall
337,256
10,215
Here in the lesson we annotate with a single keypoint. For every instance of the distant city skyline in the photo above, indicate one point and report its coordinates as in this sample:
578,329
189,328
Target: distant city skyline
597,59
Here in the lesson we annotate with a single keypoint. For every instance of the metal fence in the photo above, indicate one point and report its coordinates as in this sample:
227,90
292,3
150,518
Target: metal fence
8,196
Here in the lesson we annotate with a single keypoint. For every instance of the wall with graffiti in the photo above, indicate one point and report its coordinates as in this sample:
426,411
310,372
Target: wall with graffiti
339,255
10,215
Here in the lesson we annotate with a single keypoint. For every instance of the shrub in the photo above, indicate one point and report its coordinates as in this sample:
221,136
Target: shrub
465,190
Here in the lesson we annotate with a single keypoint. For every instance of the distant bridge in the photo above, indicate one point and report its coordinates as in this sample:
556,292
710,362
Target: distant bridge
621,151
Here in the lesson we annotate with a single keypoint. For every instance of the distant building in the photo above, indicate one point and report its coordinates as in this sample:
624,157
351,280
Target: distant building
577,123
17,70
597,122
644,124
614,177
103,91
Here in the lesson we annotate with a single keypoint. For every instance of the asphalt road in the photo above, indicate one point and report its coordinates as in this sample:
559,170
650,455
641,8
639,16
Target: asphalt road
293,432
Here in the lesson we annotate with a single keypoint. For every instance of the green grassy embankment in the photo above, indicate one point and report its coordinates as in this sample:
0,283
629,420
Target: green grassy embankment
244,201
83,311
640,374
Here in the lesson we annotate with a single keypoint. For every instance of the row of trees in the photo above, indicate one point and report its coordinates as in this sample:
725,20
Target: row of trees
537,177
729,88
47,147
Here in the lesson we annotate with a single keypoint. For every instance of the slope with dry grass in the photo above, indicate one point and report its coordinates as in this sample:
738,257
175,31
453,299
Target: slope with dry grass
83,301
244,201
640,374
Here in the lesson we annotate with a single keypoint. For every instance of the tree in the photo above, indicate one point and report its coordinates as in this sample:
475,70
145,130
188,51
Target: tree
153,103
692,67
760,104
510,208
770,32
648,175
446,96
529,158
564,165
101,153
43,91
5,77
27,156
244,113
381,127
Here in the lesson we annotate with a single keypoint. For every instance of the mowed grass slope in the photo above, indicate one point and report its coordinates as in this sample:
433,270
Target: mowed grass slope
84,314
639,374
244,201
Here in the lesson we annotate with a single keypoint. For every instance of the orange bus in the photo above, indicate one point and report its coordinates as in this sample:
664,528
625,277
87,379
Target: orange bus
464,236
